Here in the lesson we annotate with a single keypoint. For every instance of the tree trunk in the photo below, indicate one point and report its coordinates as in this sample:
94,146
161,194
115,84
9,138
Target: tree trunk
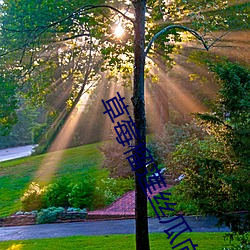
142,239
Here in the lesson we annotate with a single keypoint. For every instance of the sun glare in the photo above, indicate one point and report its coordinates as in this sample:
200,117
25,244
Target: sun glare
119,31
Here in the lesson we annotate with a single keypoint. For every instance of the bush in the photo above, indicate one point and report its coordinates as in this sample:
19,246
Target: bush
57,193
81,194
123,185
109,189
115,160
48,215
243,241
33,198
89,193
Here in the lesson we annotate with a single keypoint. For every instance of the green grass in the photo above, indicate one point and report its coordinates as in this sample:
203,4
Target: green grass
16,175
158,241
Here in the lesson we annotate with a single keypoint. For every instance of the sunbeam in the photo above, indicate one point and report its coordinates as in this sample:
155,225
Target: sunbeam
50,163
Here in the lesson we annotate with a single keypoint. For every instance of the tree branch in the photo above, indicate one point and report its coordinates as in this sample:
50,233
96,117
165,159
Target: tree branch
218,38
74,13
86,8
193,32
112,8
42,29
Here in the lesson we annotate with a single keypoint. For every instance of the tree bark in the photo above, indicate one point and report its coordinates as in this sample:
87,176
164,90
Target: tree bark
142,239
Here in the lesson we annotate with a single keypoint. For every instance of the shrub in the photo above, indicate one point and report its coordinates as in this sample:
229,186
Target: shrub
109,189
33,197
115,160
48,215
123,185
243,241
56,194
81,194
103,195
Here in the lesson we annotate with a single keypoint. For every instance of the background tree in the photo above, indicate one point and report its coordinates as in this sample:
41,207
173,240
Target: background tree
8,105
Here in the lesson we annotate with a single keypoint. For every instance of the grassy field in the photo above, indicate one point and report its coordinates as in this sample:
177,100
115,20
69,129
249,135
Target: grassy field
16,175
158,241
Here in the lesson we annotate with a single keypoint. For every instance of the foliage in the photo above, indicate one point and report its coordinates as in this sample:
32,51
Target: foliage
182,206
73,209
161,144
123,185
48,215
8,105
81,193
32,199
56,194
109,189
22,132
115,160
236,16
38,131
91,193
104,193
56,47
216,168
61,193
243,241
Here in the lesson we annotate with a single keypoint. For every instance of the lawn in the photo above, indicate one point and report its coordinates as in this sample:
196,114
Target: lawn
158,241
16,175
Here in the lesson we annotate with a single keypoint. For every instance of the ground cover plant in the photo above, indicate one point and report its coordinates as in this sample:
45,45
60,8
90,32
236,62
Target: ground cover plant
158,241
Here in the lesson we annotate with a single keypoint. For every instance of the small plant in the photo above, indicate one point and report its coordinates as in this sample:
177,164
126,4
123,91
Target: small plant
48,215
33,197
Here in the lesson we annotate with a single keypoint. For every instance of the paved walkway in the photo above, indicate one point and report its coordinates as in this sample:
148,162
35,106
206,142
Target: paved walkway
197,224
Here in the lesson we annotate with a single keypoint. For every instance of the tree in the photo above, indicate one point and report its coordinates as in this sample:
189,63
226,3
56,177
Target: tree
72,25
217,168
8,105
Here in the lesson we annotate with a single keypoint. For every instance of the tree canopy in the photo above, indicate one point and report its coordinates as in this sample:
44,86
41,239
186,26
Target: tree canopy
58,45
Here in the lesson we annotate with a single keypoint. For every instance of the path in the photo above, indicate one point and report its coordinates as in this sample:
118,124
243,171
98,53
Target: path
198,224
14,153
